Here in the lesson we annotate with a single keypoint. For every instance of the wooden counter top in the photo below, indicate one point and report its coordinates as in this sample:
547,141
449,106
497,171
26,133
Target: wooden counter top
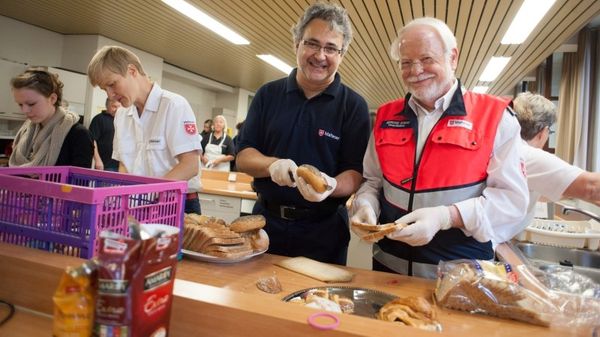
215,182
222,300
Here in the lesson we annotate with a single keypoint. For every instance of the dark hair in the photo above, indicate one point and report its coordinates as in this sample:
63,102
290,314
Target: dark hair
40,80
239,125
335,15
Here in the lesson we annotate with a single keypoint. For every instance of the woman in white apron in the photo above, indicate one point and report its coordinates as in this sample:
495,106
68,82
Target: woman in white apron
218,148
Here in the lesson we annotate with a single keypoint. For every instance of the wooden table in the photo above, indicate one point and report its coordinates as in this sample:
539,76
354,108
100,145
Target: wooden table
222,300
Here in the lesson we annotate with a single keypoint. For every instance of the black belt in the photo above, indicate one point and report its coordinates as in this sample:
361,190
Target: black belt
290,212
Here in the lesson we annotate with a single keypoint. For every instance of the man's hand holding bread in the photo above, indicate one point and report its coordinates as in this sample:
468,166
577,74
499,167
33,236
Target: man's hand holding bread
314,185
364,222
282,172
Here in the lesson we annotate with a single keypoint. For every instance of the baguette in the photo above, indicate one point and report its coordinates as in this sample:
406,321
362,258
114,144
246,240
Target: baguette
313,177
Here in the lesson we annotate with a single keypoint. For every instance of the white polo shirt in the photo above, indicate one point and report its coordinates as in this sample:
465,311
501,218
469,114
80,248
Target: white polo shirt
148,145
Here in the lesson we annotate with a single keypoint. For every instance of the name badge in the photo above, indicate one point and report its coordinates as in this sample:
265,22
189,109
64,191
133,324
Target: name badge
403,124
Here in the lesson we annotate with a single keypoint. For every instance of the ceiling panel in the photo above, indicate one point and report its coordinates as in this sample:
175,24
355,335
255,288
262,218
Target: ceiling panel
154,27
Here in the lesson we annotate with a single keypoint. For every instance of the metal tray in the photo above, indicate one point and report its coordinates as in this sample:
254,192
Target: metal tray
367,302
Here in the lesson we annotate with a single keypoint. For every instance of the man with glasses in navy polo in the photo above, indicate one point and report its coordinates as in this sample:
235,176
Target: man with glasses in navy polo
310,117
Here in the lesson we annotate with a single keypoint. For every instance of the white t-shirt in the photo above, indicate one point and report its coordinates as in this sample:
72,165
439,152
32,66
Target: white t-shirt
148,145
547,176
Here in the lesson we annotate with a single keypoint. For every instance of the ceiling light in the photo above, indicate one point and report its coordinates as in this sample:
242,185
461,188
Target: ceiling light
202,18
277,63
482,89
494,68
530,14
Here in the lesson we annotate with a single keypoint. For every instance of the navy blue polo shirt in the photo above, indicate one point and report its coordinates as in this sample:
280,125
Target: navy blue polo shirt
329,131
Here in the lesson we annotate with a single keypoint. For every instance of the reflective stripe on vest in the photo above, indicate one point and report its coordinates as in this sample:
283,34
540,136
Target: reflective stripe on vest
400,197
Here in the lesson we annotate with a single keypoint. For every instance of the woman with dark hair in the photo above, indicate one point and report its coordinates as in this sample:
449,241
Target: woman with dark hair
50,136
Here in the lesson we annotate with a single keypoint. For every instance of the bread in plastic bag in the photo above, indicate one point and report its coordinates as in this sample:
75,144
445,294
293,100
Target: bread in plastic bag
490,288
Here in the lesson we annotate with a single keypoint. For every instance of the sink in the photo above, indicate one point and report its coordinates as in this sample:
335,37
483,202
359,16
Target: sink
585,262
577,257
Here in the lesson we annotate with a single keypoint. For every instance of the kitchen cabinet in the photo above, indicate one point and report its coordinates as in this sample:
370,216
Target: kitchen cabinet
226,208
226,195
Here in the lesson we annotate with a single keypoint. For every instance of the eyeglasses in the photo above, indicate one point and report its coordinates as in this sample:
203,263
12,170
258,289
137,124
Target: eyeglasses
425,61
328,50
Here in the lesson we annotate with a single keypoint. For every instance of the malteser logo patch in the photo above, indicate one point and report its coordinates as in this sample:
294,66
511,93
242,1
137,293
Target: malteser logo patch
190,128
328,134
460,123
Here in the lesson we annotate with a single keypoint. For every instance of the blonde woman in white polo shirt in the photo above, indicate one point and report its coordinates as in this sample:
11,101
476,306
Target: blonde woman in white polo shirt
155,132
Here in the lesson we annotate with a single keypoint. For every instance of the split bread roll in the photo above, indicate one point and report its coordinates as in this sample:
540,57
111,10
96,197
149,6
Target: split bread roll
411,311
375,233
313,177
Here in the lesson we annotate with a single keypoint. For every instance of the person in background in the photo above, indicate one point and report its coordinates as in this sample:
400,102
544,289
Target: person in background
235,141
547,175
103,131
217,148
207,129
155,132
50,136
445,161
310,117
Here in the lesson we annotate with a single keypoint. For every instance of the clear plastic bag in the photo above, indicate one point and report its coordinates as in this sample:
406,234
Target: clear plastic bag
490,288
512,289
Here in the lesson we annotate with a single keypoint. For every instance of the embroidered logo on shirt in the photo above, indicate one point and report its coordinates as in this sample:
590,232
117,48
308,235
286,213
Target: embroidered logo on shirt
460,123
190,128
328,134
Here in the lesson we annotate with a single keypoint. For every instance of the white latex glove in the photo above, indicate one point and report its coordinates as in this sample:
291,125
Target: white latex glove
309,193
282,172
423,224
362,213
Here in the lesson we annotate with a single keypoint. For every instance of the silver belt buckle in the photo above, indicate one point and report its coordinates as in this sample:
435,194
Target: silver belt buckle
282,212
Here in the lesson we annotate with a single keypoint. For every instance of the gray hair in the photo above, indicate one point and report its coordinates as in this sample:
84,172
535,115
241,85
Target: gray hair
439,26
334,14
534,113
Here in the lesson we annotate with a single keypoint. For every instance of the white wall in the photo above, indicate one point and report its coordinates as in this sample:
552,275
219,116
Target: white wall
201,100
24,43
29,44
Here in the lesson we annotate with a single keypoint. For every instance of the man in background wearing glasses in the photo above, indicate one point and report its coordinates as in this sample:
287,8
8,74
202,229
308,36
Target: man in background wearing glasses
310,117
443,160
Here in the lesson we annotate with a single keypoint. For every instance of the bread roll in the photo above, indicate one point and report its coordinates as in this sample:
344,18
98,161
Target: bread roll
247,223
260,241
313,177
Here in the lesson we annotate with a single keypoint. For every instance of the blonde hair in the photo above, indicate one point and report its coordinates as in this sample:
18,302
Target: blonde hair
534,113
114,59
224,122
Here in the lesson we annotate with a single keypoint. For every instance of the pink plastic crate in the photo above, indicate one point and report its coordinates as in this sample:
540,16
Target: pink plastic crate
63,209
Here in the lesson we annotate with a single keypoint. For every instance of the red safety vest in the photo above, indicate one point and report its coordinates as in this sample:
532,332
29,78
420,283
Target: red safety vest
454,159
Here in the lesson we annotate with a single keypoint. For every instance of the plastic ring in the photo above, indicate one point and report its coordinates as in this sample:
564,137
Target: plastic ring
313,323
